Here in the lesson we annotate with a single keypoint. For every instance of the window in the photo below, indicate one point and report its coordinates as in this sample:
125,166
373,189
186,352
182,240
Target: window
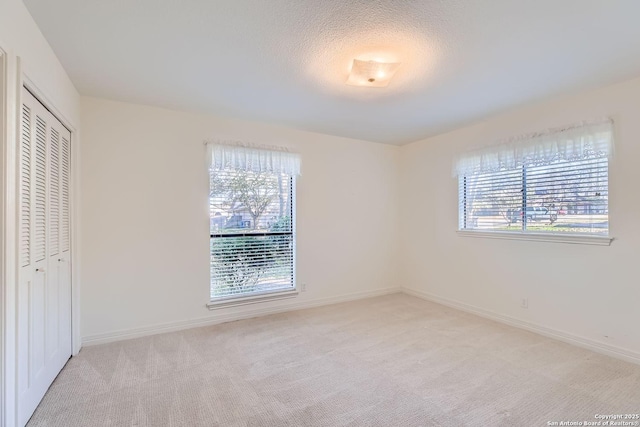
252,225
551,183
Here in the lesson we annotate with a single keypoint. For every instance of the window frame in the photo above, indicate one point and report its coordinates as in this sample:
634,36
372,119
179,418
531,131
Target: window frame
257,297
523,233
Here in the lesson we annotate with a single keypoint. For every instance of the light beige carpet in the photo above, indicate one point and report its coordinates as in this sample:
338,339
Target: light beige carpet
388,361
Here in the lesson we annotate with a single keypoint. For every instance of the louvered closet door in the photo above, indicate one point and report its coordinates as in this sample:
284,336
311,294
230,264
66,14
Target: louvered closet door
44,294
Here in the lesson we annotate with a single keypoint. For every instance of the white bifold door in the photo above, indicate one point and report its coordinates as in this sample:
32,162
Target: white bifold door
44,220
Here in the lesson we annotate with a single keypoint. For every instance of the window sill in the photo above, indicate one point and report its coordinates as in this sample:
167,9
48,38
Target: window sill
539,237
251,299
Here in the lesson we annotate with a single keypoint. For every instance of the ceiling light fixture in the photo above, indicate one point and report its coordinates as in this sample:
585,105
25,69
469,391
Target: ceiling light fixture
372,73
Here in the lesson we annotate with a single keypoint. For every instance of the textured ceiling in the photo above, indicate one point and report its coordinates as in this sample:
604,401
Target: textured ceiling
286,61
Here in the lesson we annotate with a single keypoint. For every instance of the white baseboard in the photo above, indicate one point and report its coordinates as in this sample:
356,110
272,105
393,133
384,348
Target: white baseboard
589,344
217,318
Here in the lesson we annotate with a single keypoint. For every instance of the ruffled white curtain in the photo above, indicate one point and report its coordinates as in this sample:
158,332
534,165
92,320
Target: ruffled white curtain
252,157
580,141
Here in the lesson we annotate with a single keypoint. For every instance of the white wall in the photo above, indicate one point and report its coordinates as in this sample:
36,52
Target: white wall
586,291
20,36
145,216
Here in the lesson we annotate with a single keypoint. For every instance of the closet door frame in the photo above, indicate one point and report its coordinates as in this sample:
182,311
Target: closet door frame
12,79
10,98
73,207
4,244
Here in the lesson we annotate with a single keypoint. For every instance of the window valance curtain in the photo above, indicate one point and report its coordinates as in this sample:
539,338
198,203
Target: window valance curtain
580,141
252,157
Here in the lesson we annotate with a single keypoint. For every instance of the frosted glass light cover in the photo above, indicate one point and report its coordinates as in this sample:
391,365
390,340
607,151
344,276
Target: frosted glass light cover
372,73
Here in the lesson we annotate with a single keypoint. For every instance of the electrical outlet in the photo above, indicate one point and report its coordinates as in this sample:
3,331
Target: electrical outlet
303,287
524,303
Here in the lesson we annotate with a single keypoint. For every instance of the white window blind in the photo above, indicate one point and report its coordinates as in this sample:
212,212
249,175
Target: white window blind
559,185
252,221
